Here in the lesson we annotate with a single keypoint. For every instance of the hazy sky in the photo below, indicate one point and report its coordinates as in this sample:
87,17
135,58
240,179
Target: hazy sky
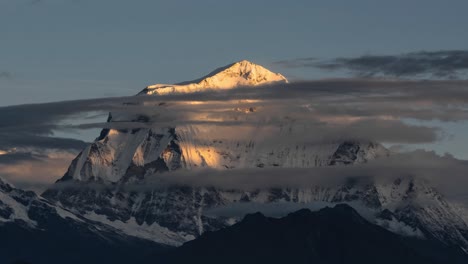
67,49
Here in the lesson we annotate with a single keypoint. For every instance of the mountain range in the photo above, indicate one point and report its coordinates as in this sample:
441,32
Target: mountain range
98,201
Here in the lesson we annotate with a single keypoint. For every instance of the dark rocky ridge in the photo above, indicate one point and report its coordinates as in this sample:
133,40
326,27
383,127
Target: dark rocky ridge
330,236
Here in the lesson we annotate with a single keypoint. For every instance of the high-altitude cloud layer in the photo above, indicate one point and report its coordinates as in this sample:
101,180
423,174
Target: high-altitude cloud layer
435,64
325,101
313,111
371,109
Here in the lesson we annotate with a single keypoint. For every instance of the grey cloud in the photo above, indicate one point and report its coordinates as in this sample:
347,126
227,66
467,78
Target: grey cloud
446,173
381,131
15,158
301,126
437,64
298,63
22,140
6,75
34,168
310,102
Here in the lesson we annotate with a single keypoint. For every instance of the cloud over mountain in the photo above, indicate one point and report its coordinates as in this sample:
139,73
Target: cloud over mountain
313,111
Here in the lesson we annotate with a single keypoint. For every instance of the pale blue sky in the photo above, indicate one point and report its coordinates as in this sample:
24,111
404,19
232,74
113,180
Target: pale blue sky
69,49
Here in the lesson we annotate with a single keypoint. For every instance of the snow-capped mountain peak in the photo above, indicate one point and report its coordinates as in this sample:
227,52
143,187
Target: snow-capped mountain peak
241,73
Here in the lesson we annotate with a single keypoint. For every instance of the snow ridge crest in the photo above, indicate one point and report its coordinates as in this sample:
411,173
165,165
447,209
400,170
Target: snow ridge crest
241,73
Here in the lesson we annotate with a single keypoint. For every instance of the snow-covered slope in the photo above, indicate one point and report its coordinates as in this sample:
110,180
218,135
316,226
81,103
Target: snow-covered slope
121,155
242,73
405,206
14,205
34,230
96,182
26,209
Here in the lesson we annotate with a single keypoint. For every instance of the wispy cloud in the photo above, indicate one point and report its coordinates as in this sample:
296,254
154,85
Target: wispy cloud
34,169
298,62
349,107
445,173
6,75
434,64
15,140
305,112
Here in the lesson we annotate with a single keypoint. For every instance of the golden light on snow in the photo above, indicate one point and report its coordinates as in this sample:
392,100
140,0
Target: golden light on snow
249,101
241,73
195,102
201,156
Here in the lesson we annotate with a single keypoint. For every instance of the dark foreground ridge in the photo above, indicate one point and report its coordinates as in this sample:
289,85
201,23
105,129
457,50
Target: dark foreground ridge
331,235
34,231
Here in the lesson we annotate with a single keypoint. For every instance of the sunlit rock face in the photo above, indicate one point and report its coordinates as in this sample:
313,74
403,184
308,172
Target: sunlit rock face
174,214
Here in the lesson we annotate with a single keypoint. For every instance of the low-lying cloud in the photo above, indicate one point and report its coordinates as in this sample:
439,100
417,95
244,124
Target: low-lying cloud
333,102
417,163
34,169
446,173
307,112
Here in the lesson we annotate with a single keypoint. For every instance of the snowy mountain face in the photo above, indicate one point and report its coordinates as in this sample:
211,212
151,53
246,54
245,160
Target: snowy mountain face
34,230
242,73
95,185
14,205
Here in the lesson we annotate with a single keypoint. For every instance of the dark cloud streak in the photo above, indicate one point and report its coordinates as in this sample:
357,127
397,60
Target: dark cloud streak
376,105
6,75
15,158
435,64
24,140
